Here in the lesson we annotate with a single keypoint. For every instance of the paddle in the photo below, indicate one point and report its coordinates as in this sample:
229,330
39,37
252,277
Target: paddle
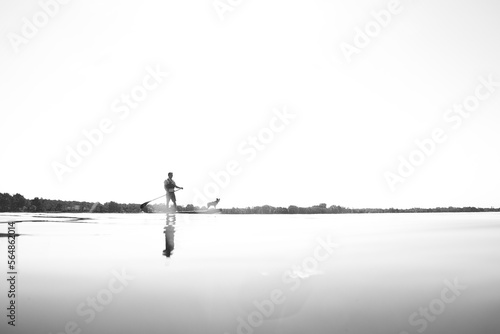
143,205
146,203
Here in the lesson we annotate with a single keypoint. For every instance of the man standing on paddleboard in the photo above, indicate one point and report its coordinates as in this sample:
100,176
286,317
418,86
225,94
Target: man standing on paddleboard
170,186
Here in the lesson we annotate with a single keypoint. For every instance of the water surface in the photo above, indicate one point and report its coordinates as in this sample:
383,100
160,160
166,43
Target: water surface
372,273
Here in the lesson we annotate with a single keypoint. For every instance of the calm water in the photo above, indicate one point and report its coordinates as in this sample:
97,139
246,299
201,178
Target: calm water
140,273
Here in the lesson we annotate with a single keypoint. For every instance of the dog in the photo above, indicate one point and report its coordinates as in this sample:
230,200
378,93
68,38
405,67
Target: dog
214,203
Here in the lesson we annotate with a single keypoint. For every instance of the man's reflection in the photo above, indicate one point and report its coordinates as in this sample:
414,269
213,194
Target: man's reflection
169,234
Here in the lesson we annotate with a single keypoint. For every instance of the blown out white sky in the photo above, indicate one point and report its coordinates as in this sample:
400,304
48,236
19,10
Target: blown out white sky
353,120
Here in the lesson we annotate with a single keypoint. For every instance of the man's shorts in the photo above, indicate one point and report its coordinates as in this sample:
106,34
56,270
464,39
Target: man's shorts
171,196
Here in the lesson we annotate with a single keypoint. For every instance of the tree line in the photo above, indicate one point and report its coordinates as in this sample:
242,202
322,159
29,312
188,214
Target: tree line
18,203
336,209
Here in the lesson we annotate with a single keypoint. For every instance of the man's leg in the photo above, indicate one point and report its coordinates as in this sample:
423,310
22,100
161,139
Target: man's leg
174,200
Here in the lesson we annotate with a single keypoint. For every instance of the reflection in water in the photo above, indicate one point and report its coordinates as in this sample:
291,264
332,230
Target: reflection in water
169,235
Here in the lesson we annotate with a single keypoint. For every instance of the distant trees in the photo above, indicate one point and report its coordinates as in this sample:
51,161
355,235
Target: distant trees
17,203
336,209
5,202
38,204
112,207
14,203
267,209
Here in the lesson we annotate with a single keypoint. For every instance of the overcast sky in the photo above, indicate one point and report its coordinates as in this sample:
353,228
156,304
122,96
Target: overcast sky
257,102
